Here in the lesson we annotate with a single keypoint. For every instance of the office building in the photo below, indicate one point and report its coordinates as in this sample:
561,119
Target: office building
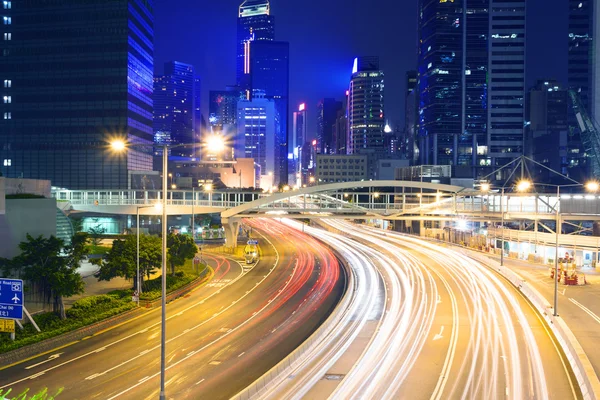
327,112
506,111
307,155
340,128
222,122
269,75
222,108
408,146
471,71
176,113
73,86
365,111
340,168
584,68
299,126
297,139
255,23
549,139
256,139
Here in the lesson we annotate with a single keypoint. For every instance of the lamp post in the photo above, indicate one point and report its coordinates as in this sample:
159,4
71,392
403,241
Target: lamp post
138,285
591,186
193,201
120,145
502,225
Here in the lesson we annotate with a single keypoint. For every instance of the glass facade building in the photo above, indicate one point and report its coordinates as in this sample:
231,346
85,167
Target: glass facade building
254,24
327,110
471,80
257,121
77,73
270,76
365,111
583,73
507,88
175,108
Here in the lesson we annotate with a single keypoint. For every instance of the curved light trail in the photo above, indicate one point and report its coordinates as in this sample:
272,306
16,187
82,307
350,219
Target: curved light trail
489,349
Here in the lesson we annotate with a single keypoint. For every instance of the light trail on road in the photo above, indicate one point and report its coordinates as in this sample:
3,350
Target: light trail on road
220,338
452,328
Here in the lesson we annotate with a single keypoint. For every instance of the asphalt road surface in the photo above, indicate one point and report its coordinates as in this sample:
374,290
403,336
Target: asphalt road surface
220,338
451,329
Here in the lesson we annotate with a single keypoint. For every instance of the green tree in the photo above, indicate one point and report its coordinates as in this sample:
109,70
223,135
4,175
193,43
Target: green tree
180,249
51,267
121,260
77,224
96,233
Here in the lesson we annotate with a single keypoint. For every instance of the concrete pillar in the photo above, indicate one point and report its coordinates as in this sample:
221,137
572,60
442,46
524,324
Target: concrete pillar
596,228
231,226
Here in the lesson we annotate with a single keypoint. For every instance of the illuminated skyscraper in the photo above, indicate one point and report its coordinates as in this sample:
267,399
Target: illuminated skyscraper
296,141
175,108
365,111
327,111
269,75
471,77
257,119
254,24
86,75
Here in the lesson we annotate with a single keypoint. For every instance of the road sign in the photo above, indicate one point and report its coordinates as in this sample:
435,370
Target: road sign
136,296
11,298
196,260
253,241
7,325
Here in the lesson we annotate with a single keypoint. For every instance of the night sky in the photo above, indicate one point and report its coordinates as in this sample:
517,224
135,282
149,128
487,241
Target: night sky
325,36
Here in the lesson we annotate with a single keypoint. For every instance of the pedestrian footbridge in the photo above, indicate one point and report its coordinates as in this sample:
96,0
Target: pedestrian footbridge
402,200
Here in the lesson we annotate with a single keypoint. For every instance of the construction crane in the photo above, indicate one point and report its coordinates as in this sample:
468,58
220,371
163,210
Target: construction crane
590,134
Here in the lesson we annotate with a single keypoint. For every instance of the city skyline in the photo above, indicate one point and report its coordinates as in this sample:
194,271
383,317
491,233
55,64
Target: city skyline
324,54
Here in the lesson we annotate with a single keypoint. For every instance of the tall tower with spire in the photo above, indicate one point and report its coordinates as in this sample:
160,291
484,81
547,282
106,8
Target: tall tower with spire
255,23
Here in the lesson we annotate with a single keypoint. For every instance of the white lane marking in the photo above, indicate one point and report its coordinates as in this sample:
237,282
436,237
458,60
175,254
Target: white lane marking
153,327
438,336
449,360
563,292
35,376
241,354
144,379
240,326
200,381
52,357
585,309
439,299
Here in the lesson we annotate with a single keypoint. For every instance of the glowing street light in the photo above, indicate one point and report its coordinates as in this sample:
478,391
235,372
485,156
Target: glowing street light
485,187
592,186
215,144
523,186
118,145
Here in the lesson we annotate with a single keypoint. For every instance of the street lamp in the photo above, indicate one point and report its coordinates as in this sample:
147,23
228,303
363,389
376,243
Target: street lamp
591,186
138,284
121,145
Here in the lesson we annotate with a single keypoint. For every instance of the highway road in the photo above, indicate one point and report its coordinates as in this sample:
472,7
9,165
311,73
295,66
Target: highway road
219,339
579,306
450,328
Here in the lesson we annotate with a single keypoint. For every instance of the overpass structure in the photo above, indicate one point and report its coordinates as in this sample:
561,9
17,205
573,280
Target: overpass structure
391,200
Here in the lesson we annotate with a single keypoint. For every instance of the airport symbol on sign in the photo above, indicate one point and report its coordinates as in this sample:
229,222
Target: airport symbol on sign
11,298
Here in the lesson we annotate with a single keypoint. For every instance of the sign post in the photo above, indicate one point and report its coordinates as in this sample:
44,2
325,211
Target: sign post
11,299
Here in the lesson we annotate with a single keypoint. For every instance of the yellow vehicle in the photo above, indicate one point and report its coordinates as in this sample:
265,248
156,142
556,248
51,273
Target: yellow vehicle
251,252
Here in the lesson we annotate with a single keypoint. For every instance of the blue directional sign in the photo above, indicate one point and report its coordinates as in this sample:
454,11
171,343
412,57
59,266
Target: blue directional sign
252,241
11,298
